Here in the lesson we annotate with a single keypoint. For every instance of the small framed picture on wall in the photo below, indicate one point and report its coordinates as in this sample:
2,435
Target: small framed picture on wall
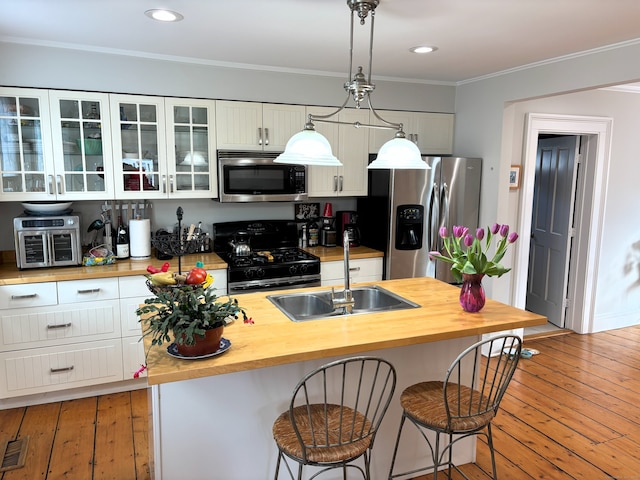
514,177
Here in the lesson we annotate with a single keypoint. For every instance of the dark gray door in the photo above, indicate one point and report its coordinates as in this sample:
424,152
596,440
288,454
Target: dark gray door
551,226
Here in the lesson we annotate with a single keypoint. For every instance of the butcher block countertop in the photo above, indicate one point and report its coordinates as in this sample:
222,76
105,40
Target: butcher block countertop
11,275
275,340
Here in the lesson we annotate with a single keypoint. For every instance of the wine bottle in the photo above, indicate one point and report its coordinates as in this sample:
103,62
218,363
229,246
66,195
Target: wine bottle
122,240
313,234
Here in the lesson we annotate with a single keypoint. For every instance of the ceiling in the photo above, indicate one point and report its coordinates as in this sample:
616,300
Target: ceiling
474,37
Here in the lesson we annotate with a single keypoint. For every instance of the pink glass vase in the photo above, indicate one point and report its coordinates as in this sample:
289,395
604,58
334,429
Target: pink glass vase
472,294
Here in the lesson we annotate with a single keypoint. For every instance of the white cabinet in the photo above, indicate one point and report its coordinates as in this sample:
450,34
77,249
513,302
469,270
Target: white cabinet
82,145
139,146
163,148
55,145
350,145
59,335
251,126
432,132
360,270
191,148
26,161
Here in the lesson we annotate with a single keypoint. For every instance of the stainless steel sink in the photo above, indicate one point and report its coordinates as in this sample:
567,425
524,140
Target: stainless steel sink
303,306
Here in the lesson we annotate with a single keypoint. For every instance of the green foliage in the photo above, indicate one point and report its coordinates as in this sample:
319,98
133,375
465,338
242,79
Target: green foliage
179,314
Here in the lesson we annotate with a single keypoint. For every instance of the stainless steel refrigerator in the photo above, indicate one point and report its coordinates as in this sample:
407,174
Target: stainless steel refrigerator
404,210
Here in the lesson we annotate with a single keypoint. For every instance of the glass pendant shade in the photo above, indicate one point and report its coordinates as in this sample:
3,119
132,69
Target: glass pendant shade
399,153
308,147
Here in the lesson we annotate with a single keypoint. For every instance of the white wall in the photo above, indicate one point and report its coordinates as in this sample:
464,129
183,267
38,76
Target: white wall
485,127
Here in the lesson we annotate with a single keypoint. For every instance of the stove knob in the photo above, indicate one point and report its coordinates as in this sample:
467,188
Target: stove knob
259,272
293,269
248,273
303,268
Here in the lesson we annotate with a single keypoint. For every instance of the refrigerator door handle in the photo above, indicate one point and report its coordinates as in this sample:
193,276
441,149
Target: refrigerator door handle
433,219
444,200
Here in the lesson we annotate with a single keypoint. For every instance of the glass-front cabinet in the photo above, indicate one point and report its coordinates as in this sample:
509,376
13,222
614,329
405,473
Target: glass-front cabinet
26,169
139,146
191,148
82,144
163,147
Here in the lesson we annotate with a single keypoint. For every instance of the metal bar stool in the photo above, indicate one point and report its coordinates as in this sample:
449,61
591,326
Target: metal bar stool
333,417
460,406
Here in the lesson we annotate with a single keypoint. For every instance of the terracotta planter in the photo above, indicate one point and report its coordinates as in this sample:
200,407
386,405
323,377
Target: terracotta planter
472,297
210,343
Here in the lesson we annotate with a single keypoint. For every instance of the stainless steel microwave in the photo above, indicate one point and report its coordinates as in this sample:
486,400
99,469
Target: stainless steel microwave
47,241
253,177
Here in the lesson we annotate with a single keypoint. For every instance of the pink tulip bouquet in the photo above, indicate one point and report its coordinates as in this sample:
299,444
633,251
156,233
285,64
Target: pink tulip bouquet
468,255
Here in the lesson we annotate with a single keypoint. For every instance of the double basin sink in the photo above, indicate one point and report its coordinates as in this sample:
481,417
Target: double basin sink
300,307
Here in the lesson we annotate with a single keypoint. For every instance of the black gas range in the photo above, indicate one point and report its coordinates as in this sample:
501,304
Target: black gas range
273,260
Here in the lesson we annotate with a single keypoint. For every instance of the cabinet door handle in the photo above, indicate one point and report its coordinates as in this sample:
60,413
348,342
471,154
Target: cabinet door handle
341,182
266,136
259,136
164,184
89,290
415,138
354,269
62,325
52,188
170,183
60,183
22,297
335,183
63,369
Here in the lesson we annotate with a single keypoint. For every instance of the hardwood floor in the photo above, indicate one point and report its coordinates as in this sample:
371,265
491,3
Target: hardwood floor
571,412
101,438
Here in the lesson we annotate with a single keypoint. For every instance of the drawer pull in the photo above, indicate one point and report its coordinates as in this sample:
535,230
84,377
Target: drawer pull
89,290
354,269
21,297
63,369
62,325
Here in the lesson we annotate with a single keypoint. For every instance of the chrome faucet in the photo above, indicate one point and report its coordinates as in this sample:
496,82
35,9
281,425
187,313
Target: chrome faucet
346,301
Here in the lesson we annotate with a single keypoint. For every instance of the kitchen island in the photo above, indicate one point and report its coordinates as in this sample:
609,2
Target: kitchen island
215,415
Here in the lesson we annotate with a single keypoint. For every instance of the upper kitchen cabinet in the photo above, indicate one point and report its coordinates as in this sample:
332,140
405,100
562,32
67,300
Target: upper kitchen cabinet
431,132
26,159
191,145
81,129
139,147
350,145
257,126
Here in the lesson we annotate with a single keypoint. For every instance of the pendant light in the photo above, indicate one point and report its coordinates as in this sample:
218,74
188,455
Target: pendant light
309,147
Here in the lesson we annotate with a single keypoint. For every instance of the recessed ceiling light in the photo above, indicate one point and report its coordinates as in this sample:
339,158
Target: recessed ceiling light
163,15
423,49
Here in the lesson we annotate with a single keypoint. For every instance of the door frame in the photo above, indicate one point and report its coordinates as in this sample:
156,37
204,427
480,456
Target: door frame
588,212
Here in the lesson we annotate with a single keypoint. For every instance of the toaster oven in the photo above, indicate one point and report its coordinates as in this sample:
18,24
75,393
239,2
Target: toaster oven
51,241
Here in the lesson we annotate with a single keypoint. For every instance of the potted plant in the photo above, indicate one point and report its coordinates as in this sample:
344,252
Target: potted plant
470,261
191,316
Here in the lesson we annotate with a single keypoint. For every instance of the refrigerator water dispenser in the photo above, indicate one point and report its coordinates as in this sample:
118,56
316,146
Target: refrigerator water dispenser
409,227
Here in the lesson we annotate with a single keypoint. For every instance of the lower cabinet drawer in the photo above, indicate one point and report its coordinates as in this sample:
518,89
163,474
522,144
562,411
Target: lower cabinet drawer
59,324
21,296
32,371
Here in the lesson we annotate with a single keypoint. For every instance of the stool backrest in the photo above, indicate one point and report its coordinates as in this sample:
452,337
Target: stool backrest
479,394
342,402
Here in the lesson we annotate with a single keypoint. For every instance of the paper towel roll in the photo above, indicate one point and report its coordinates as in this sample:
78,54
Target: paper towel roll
140,238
